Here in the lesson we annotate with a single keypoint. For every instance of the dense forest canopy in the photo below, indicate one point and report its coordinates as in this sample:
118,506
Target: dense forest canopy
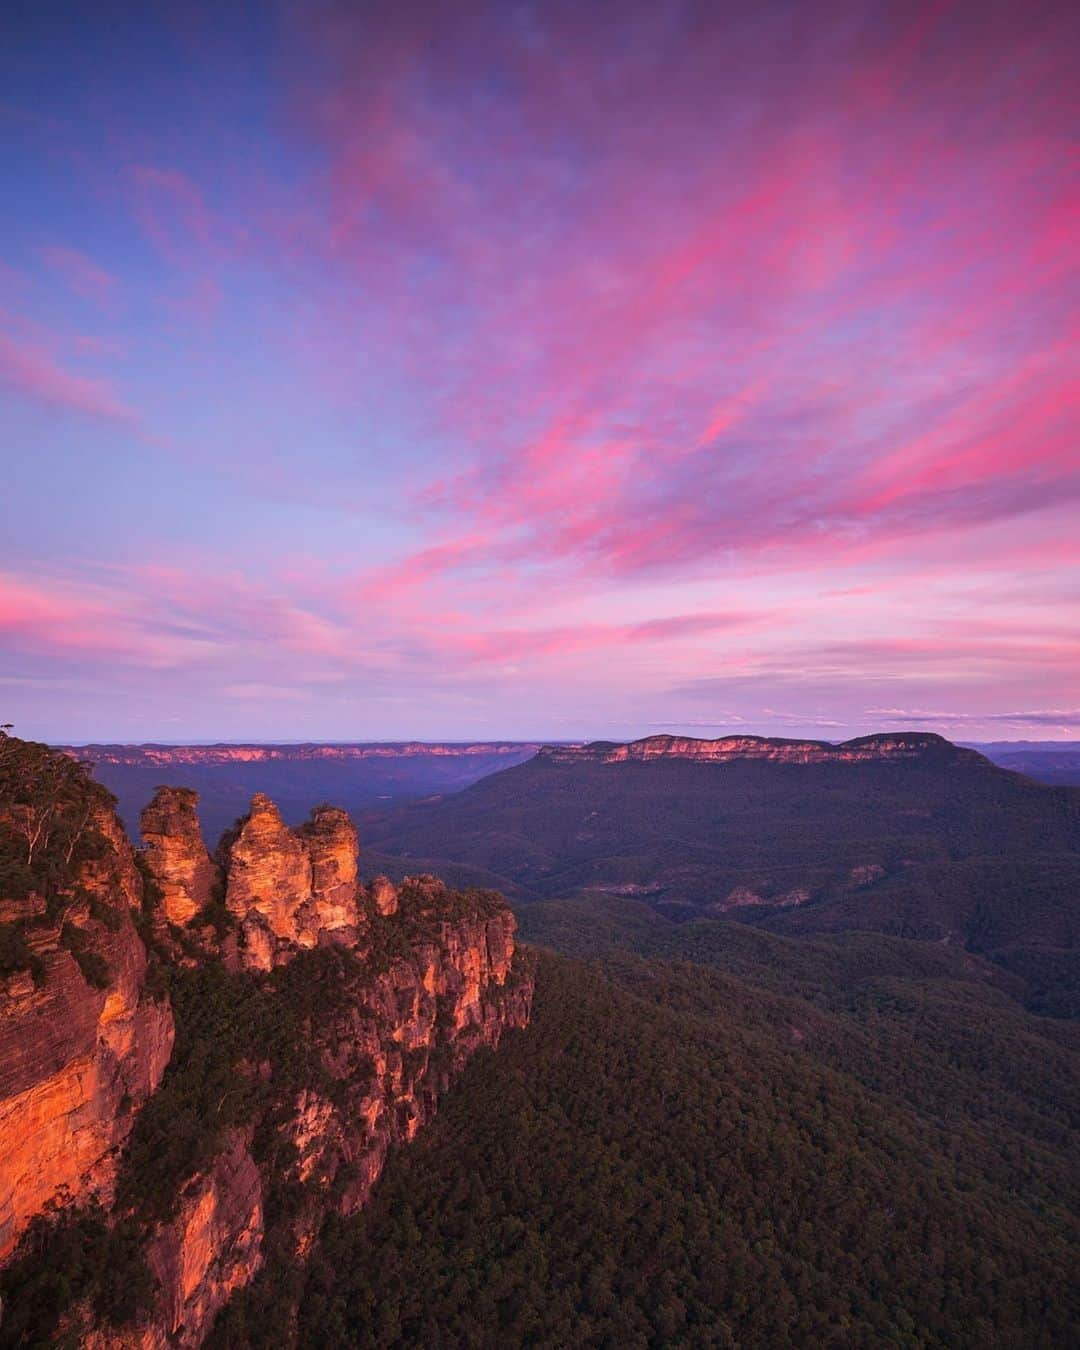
674,1156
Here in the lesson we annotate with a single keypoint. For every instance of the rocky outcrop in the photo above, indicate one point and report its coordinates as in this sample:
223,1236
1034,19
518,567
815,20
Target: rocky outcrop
290,889
77,1060
893,746
176,854
434,981
333,847
268,879
385,895
399,1047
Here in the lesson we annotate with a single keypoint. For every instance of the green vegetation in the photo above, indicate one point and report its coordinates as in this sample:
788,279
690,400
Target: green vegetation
815,1128
64,1259
16,954
48,807
670,1156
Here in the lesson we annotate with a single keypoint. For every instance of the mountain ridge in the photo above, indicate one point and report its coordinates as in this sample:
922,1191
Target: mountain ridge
860,749
229,752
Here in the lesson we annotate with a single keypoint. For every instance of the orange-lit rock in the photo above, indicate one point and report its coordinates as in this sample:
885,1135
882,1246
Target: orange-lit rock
76,1062
384,893
892,746
176,854
332,845
268,878
213,1246
291,889
426,978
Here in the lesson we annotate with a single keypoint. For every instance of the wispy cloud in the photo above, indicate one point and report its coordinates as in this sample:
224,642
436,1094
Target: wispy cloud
38,375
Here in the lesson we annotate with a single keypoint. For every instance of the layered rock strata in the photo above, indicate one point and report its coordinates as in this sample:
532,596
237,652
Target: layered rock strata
400,1029
77,1061
290,889
894,746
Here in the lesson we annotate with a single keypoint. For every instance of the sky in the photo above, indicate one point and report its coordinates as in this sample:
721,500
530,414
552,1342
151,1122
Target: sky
463,371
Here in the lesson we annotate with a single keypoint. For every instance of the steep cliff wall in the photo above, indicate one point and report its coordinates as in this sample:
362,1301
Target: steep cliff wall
290,889
82,1042
317,1021
257,754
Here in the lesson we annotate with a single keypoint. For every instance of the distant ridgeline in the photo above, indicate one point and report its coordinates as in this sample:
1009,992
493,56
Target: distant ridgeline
863,749
258,754
902,833
297,777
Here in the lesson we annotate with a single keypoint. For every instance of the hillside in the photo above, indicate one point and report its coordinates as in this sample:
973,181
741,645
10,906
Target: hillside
922,840
693,1133
1047,761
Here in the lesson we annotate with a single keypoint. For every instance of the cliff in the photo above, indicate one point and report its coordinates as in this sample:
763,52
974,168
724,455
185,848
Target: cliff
316,1022
83,1042
863,749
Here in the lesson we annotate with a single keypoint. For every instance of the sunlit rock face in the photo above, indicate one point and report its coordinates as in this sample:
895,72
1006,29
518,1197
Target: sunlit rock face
389,1050
77,1062
332,845
176,854
268,874
212,1248
290,889
385,895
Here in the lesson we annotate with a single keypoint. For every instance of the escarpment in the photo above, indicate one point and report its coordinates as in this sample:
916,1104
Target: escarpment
317,1021
83,1040
863,749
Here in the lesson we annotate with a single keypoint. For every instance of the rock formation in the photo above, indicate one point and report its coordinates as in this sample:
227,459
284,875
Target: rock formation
176,854
893,746
290,889
260,754
211,1249
385,895
268,880
333,847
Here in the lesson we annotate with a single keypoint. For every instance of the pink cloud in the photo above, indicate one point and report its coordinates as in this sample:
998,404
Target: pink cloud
596,321
37,375
85,277
516,644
